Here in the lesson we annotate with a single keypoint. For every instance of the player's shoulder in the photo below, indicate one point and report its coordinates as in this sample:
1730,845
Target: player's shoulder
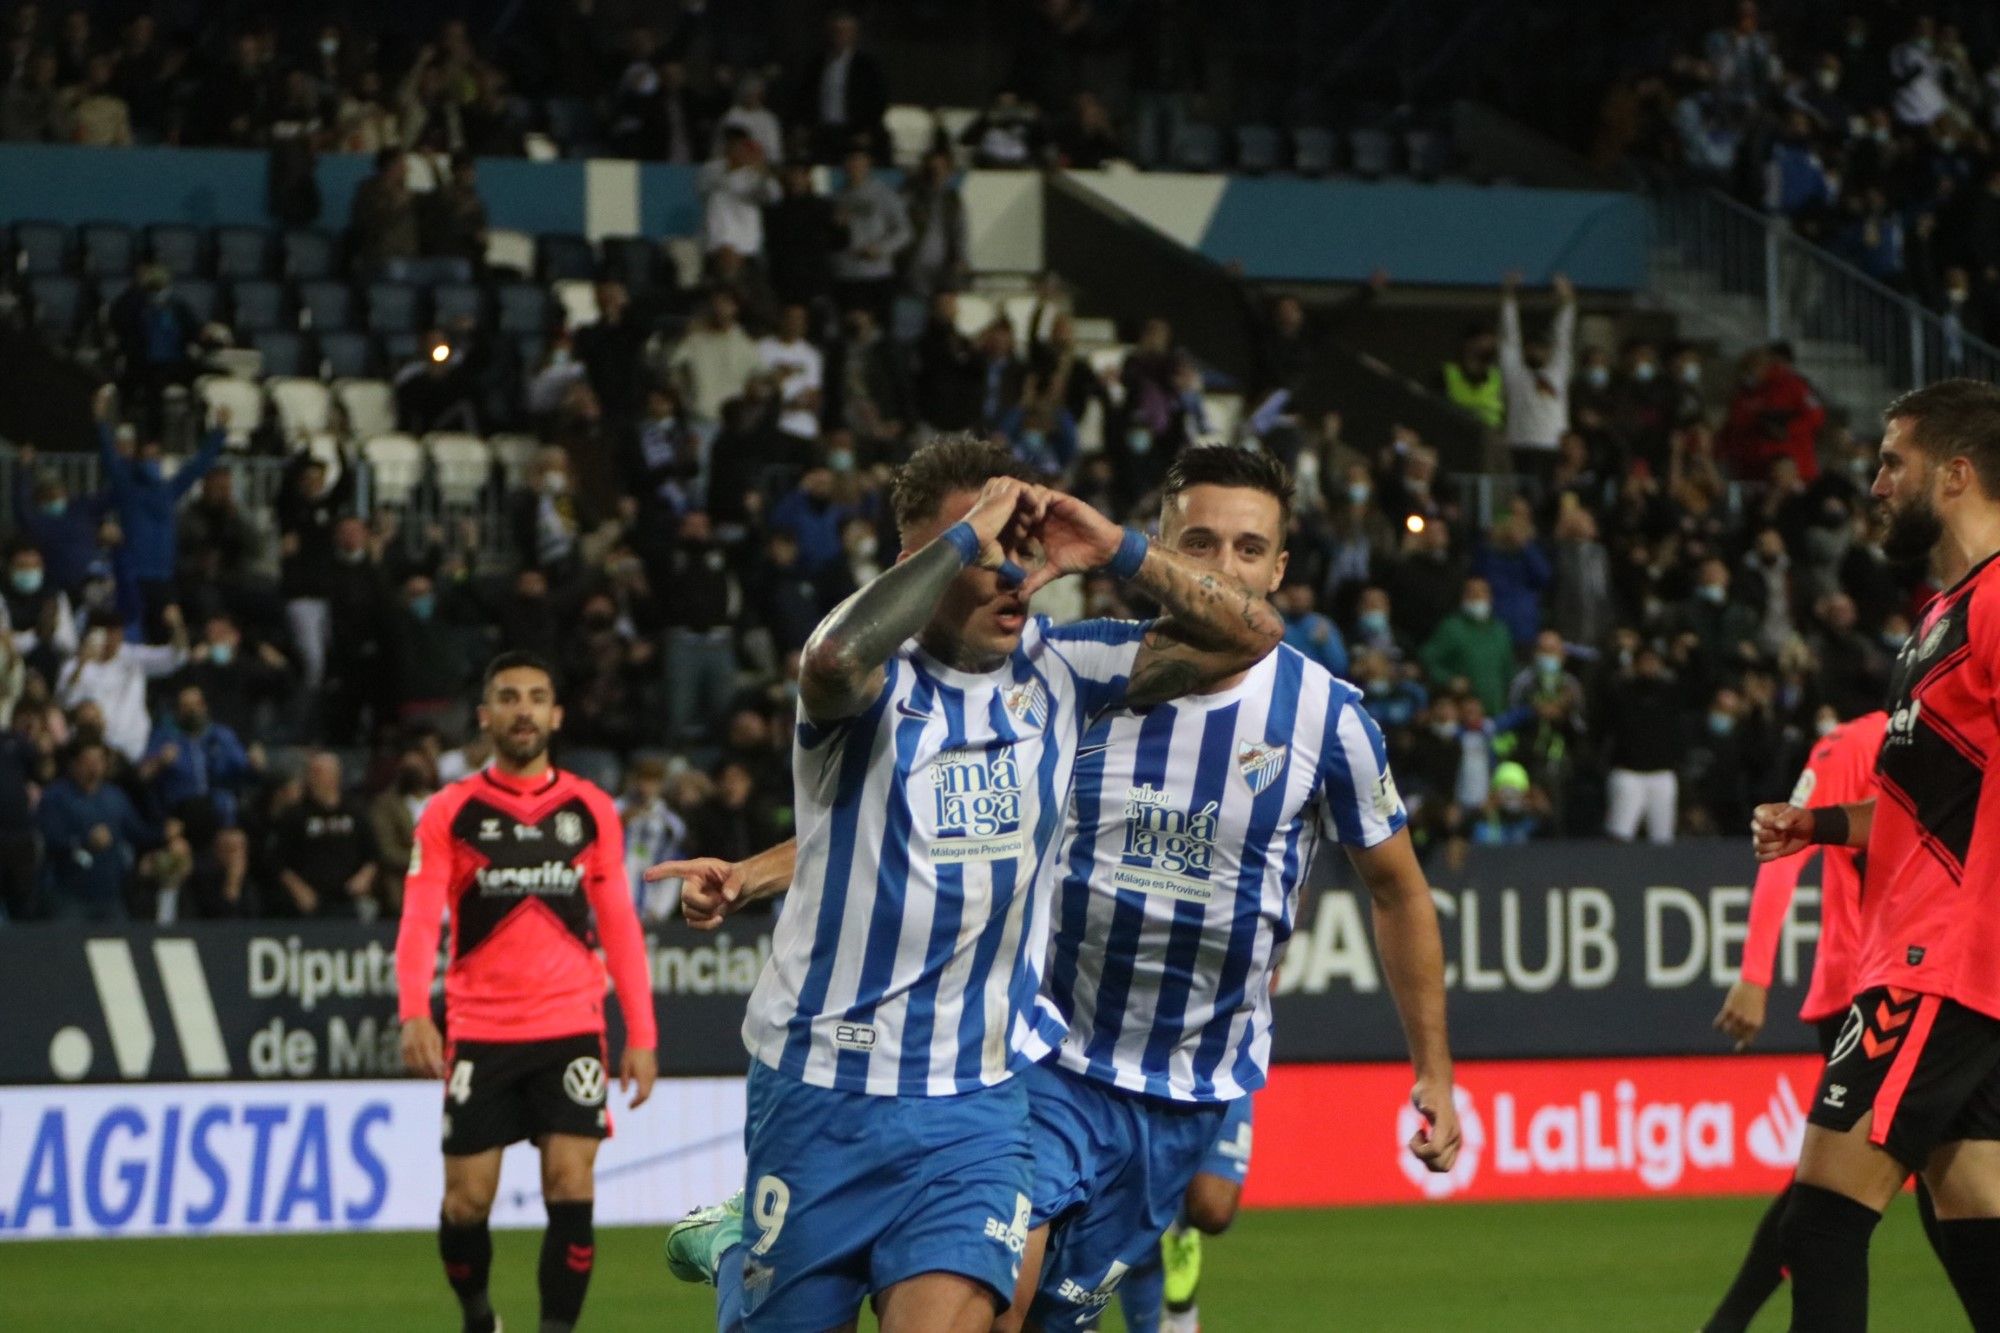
448,800
575,787
1315,687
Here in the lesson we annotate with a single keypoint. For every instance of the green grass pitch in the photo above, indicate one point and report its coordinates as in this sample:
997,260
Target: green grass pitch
1625,1266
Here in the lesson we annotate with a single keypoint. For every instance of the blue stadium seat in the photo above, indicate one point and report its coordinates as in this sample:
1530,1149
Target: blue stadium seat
632,260
108,249
176,245
563,258
1312,150
309,254
284,352
1257,148
1430,153
347,355
1197,148
529,349
57,301
398,350
437,270
201,297
329,304
393,307
1372,153
242,252
457,301
524,308
571,121
42,247
258,304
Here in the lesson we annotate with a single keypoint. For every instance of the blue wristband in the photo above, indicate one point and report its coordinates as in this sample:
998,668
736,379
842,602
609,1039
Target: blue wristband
963,540
1131,555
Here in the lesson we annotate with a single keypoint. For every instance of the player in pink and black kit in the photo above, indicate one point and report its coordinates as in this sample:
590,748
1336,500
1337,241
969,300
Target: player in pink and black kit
530,862
1840,770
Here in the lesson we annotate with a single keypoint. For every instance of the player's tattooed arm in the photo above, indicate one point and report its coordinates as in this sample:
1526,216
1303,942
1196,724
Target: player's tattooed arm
1214,628
841,671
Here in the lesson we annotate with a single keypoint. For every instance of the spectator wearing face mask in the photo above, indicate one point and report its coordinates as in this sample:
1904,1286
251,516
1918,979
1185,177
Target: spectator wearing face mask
701,601
234,675
392,825
1307,630
1515,567
146,502
113,674
308,507
196,759
1472,380
428,667
1469,645
814,518
92,838
1426,581
1358,531
1536,374
1391,697
1722,624
1580,604
61,526
42,621
1375,630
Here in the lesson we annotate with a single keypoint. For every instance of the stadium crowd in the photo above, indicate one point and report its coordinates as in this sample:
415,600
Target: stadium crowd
210,708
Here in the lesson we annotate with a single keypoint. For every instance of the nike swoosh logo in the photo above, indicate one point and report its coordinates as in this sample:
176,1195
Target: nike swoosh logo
1088,750
908,711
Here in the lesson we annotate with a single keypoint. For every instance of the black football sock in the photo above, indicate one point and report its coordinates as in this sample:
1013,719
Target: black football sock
1824,1242
1972,1257
569,1250
1927,1211
1760,1275
467,1252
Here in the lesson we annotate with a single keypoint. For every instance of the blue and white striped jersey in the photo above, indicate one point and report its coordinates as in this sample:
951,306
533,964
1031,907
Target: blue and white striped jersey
908,953
1191,828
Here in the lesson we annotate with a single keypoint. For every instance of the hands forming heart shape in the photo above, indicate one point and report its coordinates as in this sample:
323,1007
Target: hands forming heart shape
1033,535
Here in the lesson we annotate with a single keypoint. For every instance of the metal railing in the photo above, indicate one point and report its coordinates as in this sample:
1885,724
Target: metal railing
259,481
1808,296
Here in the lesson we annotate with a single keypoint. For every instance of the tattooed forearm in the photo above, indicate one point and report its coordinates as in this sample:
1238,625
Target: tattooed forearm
841,668
1214,628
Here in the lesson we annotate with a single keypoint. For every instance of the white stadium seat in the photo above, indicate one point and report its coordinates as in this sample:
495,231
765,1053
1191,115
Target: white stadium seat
975,312
579,302
684,254
395,467
516,454
513,250
303,406
910,132
368,405
463,464
244,400
1224,411
325,446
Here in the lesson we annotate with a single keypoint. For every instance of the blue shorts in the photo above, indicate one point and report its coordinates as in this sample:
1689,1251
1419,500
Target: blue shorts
848,1194
1110,1170
1229,1156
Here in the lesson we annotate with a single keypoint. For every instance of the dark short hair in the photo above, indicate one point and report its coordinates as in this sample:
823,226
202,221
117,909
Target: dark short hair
1226,465
1956,419
516,660
956,462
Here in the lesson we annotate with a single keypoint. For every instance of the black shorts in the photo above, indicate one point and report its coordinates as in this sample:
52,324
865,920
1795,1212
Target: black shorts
500,1092
1928,1067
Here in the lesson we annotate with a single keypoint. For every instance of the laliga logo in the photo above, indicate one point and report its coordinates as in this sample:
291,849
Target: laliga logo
1472,1142
1774,1138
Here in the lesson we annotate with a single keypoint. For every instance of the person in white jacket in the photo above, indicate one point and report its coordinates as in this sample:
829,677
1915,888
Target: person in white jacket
1535,374
113,673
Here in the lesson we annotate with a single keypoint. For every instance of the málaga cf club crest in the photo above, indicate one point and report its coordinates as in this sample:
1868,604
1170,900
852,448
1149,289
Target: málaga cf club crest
1260,762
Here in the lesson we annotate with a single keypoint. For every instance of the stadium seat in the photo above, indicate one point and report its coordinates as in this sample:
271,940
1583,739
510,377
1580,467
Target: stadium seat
201,297
1197,147
955,121
1257,149
329,304
1107,362
367,406
243,399
515,454
283,351
242,252
325,446
975,312
524,308
41,247
303,406
579,303
1312,150
394,307
560,258
570,120
56,301
632,260
684,259
529,349
108,249
346,355
457,302
177,246
1430,153
510,252
395,468
1019,310
1224,411
539,147
1371,153
399,349
257,304
309,254
912,130
462,465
